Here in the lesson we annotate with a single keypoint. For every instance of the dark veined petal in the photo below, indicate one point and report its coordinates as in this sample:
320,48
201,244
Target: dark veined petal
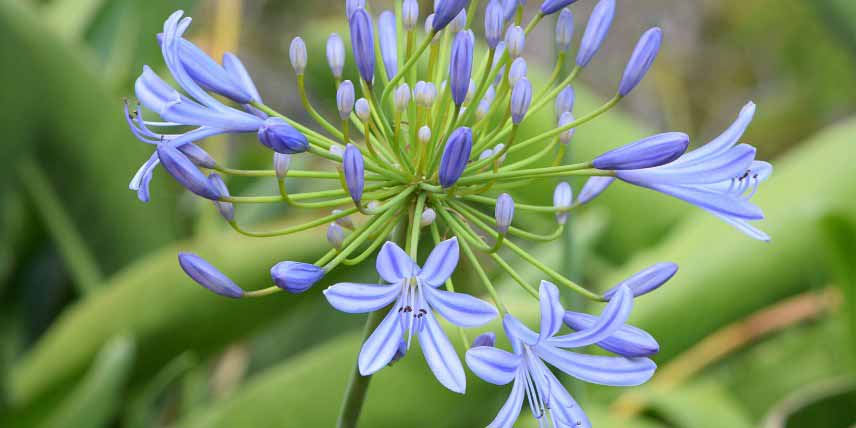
441,356
726,140
510,411
393,264
518,332
460,309
611,371
732,163
493,365
627,341
440,263
360,298
551,310
381,346
611,319
646,280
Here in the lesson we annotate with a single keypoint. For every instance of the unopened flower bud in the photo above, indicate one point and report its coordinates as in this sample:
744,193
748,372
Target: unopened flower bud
627,341
402,97
345,99
566,118
429,26
517,71
362,44
641,60
335,235
347,222
226,209
388,40
646,280
598,26
484,339
471,92
497,149
424,134
373,205
550,7
594,186
363,110
486,154
445,12
281,162
185,172
197,155
297,55
281,137
206,275
460,22
494,18
565,101
337,149
461,65
352,165
504,213
489,94
352,5
455,155
521,98
427,218
295,277
563,197
515,41
564,30
649,152
336,55
409,14
482,109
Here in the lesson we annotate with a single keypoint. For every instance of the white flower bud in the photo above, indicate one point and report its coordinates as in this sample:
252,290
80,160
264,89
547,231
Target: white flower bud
566,118
363,110
428,217
297,55
515,41
337,150
335,235
486,154
517,71
424,134
471,92
336,55
563,197
409,14
280,164
497,149
347,222
402,97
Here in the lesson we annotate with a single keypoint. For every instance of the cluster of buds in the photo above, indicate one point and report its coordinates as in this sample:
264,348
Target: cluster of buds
424,149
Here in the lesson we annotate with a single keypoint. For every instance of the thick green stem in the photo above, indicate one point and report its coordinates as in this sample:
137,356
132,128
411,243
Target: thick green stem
358,385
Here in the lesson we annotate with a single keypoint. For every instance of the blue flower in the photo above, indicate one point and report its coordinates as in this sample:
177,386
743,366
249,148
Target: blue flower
719,177
526,367
416,294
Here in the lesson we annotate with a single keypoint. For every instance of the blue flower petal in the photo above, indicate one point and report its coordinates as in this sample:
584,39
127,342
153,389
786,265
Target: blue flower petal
492,364
563,407
517,332
460,309
441,356
511,409
725,204
381,346
551,310
393,264
730,164
628,341
612,371
726,140
236,70
743,226
611,319
440,263
140,181
360,298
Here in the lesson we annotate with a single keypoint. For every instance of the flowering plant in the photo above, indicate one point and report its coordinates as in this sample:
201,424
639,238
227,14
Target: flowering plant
418,156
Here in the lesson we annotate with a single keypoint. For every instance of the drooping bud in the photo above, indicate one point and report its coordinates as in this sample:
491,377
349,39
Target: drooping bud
641,60
565,101
517,71
402,97
297,55
445,12
460,22
185,172
649,152
565,119
461,65
521,98
455,155
594,186
563,197
335,235
409,14
494,18
427,218
363,110
515,41
598,26
281,162
484,339
281,137
206,275
424,134
627,341
646,280
504,213
199,157
352,165
362,44
226,209
564,30
388,40
336,55
345,99
295,277
550,7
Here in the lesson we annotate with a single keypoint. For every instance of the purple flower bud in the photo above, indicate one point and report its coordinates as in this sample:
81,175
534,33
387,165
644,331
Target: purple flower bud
335,235
461,65
345,99
627,341
552,6
649,152
336,55
226,209
460,22
598,26
515,41
362,43
646,280
641,60
352,5
388,41
281,162
517,71
484,339
281,137
494,18
594,186
509,7
199,157
208,276
563,197
565,101
347,222
429,26
564,30
427,218
565,119
363,110
409,14
352,165
185,172
445,12
504,213
297,55
295,277
455,155
521,97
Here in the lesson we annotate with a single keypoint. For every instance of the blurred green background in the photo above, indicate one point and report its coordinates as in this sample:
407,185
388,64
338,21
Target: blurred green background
99,327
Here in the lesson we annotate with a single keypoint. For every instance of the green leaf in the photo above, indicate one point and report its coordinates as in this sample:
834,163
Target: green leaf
705,405
840,234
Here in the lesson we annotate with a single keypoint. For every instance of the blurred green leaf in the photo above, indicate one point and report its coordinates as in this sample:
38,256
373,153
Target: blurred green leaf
840,235
706,405
140,411
825,404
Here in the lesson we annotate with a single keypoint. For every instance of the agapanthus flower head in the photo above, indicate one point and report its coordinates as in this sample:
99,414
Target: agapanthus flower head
295,277
345,99
206,275
641,60
388,40
648,152
455,156
598,26
564,30
336,55
461,65
277,135
297,54
362,44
